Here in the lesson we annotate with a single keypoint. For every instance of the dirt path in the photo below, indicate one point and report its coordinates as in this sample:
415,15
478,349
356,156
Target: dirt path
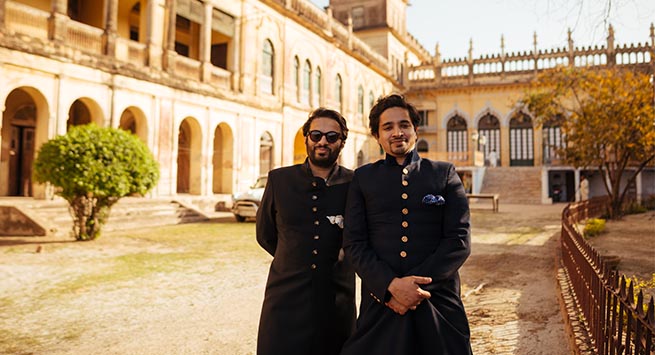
68,299
512,264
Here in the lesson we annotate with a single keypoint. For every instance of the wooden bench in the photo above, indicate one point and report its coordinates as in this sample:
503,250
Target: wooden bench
493,197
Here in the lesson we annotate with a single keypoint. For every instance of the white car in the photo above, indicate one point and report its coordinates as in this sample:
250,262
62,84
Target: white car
245,204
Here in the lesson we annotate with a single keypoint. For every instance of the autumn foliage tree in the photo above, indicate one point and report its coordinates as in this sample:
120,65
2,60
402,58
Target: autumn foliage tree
607,117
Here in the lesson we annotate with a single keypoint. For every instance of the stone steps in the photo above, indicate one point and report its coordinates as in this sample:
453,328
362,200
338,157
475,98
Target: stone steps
520,185
127,213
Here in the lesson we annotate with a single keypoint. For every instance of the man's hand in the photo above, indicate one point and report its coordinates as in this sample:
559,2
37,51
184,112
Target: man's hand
397,306
407,291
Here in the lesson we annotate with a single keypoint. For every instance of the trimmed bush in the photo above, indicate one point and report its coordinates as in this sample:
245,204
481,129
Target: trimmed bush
93,168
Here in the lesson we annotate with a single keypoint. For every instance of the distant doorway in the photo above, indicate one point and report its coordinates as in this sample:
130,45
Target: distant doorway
561,185
21,151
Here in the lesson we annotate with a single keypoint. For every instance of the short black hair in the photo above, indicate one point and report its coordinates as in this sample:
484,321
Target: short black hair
327,113
385,102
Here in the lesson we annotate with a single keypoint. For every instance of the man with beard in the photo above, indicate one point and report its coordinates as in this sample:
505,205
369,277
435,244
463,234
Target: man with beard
309,302
407,233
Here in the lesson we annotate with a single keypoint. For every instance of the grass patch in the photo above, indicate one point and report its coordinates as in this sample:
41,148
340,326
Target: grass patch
236,238
522,235
127,267
166,249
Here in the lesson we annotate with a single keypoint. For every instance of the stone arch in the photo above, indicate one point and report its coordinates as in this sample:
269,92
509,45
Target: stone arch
222,159
489,128
422,146
266,150
299,150
134,121
23,129
452,113
84,111
189,156
361,159
457,138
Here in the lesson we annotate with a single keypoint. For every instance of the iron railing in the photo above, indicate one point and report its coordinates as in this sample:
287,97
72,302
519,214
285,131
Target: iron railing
616,322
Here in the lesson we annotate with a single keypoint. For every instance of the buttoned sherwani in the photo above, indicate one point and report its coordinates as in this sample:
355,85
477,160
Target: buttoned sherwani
309,302
393,230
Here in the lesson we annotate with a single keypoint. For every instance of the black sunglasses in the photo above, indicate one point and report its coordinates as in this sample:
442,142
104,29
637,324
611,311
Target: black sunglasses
331,136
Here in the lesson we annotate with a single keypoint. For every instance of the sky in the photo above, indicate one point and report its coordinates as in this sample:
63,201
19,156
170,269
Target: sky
453,23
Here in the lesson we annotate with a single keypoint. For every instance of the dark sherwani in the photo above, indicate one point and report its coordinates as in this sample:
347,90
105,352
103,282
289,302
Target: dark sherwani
393,230
309,304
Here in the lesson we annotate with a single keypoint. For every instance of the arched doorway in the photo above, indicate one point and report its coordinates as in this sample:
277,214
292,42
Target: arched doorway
84,111
189,157
299,149
222,159
422,146
133,120
489,127
21,123
456,139
521,148
78,114
24,128
360,158
265,153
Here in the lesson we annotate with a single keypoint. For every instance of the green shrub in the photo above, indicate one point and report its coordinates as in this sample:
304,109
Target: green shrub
93,168
593,227
635,208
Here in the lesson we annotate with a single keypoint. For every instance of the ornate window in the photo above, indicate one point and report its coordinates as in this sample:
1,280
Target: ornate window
268,65
457,139
296,77
521,152
338,92
306,82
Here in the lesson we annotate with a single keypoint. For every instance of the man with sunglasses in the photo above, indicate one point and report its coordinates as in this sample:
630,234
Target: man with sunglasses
407,233
309,302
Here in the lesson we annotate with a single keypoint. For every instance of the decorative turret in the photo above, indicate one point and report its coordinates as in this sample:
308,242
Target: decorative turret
610,38
534,43
611,58
470,58
437,54
502,46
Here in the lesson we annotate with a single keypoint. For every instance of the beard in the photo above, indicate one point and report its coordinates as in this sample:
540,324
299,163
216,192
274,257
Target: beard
324,159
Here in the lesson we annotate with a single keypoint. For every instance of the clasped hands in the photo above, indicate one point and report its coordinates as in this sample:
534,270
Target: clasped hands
406,293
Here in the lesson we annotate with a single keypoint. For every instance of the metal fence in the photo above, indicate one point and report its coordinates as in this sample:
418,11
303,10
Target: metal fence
616,322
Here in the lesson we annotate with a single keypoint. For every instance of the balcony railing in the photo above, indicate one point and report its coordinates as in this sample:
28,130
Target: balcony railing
499,67
26,20
220,78
187,67
131,51
84,37
458,158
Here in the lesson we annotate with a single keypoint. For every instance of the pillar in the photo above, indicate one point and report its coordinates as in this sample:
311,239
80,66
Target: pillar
154,33
236,57
58,20
111,33
205,42
3,7
169,56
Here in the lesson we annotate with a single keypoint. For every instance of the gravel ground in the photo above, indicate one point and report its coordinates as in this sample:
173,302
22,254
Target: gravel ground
211,304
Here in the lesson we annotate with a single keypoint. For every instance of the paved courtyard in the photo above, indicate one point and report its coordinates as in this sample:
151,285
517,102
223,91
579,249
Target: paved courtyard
198,289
